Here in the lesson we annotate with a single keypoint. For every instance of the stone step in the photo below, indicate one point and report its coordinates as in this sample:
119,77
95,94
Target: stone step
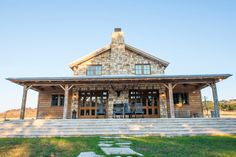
140,133
117,122
117,126
114,129
147,126
127,120
92,132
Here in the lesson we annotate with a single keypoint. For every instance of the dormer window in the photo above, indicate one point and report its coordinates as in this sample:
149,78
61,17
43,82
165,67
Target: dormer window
142,69
94,70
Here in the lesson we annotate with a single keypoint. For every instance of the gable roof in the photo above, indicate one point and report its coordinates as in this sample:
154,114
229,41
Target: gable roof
108,47
147,55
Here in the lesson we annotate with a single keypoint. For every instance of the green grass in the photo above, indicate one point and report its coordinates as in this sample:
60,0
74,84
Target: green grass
199,146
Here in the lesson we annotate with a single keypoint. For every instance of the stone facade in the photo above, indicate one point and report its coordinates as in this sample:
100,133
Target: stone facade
116,62
122,98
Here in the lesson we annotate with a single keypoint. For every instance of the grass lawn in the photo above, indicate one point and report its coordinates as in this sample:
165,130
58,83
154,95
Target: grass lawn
199,146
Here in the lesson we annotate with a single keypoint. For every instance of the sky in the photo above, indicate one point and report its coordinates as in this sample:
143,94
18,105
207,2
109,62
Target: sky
40,38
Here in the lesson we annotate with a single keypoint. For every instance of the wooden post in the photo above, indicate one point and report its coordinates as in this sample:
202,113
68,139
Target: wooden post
23,103
215,98
66,89
171,100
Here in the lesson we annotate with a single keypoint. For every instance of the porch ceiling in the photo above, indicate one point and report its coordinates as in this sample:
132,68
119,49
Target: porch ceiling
201,80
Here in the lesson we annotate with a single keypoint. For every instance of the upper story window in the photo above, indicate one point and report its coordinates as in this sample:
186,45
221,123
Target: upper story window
181,98
94,70
142,69
57,100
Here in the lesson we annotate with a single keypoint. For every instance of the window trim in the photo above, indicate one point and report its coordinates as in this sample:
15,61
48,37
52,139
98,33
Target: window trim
142,69
94,69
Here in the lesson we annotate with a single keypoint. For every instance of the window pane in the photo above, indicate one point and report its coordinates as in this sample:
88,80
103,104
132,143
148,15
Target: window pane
138,66
99,70
94,70
87,101
138,69
90,72
54,101
142,69
176,98
185,98
146,69
93,101
61,100
99,100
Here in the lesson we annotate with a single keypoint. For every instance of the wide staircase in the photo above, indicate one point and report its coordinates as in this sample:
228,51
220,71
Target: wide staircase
139,127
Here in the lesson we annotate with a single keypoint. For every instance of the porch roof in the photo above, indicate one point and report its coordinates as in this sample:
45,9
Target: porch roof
158,78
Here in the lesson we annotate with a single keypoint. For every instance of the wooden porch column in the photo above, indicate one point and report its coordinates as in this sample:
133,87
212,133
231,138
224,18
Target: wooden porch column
66,89
215,98
171,100
23,103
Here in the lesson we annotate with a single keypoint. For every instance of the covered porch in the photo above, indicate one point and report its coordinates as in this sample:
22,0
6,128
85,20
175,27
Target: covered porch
160,96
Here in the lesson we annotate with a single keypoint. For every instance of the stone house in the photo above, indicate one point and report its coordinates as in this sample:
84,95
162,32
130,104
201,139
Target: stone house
115,74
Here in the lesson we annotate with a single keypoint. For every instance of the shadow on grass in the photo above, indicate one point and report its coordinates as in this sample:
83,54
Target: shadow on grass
50,147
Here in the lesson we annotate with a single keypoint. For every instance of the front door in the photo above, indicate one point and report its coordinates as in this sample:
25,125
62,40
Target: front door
89,102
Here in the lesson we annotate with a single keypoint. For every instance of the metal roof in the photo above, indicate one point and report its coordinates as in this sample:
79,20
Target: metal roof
216,77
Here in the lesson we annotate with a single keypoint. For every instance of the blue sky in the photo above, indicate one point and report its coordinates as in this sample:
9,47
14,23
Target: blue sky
40,38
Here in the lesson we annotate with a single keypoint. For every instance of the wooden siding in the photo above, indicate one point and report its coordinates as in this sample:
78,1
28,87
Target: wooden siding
46,111
195,102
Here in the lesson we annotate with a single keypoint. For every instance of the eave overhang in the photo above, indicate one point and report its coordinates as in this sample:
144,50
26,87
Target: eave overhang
107,79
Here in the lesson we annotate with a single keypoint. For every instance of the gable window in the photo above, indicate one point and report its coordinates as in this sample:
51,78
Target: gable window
142,69
181,98
57,100
94,70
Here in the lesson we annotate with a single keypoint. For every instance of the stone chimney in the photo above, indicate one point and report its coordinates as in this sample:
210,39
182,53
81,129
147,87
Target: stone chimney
117,37
117,56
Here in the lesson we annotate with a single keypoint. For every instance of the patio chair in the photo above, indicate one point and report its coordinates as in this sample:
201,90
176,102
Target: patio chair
127,110
101,110
139,109
118,109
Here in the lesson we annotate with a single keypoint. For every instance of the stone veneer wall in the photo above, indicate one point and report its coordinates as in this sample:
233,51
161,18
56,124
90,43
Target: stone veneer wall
118,61
124,95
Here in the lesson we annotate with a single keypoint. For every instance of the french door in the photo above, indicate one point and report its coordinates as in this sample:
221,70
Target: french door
149,99
89,102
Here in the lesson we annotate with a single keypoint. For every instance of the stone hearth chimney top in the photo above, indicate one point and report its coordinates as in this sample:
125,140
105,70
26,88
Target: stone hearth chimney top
117,36
117,29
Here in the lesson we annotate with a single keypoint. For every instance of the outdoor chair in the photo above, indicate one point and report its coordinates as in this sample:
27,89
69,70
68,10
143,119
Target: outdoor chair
127,110
118,109
101,110
139,109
